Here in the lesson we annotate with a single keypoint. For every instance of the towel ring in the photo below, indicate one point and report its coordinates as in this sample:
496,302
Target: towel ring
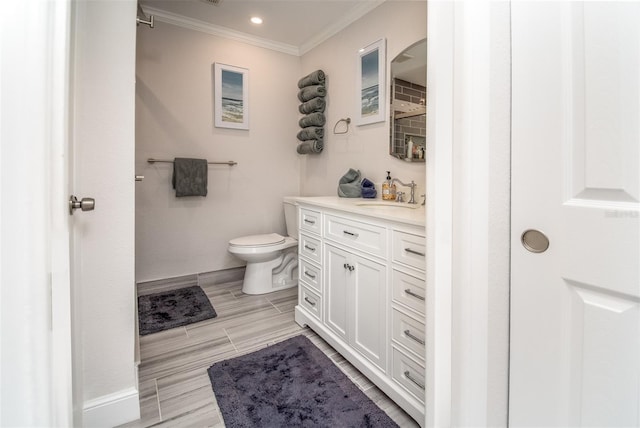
347,121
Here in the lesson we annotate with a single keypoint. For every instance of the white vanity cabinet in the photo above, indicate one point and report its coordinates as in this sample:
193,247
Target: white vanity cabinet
362,289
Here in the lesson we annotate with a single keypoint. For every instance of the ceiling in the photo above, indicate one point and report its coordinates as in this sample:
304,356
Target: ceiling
298,24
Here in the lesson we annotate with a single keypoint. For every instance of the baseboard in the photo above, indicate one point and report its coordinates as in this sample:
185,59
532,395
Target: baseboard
112,410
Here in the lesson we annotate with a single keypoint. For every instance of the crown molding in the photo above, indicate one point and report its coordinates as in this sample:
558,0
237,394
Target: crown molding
216,30
354,14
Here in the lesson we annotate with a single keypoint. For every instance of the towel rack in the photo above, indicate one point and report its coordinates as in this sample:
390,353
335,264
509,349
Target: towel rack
230,163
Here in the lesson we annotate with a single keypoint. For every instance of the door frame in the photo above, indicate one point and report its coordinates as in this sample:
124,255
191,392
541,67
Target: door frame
468,213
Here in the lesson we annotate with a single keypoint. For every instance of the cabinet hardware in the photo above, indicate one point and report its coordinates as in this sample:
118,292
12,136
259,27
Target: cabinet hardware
348,266
409,250
309,275
412,337
309,248
306,220
411,293
306,299
351,268
408,376
346,232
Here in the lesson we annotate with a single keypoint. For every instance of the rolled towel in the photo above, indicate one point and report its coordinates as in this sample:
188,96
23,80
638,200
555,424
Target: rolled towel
316,104
368,189
310,92
315,78
310,147
313,119
351,176
311,133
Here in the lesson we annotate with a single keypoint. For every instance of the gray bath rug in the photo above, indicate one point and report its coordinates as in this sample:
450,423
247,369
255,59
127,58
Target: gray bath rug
173,308
291,384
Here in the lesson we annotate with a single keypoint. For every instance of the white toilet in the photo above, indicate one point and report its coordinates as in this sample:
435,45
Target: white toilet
272,259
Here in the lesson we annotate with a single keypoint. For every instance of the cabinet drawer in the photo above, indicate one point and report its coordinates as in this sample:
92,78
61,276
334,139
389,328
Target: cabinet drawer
310,221
409,249
361,236
408,332
409,290
310,275
408,373
310,247
311,302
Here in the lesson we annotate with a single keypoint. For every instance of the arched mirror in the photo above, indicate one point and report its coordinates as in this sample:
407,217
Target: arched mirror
408,103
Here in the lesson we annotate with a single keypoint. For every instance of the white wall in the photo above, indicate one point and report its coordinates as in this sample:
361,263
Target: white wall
174,118
365,147
103,131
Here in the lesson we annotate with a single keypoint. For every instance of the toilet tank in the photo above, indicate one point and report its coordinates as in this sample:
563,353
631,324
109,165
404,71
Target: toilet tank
291,216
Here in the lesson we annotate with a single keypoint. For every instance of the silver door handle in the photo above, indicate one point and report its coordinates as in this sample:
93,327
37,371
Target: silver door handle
409,250
419,384
535,241
139,177
412,337
86,204
412,294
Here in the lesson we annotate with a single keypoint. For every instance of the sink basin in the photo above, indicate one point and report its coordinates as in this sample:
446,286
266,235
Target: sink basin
380,204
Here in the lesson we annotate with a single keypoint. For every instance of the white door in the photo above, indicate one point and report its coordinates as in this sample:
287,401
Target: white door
575,312
336,290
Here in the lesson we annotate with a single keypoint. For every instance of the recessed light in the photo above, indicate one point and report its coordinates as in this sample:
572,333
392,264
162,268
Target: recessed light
256,20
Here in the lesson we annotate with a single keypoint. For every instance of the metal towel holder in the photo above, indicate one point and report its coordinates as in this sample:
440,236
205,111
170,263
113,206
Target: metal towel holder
230,163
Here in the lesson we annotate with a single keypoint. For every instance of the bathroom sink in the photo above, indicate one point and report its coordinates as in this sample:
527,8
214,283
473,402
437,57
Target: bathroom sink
379,204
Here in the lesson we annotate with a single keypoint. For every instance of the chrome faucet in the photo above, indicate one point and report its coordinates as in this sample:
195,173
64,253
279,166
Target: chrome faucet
412,200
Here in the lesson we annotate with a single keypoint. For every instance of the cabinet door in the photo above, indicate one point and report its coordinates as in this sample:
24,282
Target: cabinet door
336,300
369,309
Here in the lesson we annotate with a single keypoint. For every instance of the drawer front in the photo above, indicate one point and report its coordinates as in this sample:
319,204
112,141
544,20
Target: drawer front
310,247
408,373
310,275
409,290
361,236
408,332
409,249
310,301
310,221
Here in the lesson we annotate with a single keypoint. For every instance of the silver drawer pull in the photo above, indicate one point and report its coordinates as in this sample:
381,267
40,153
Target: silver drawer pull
306,299
409,250
411,293
417,383
309,248
412,337
306,220
309,275
346,232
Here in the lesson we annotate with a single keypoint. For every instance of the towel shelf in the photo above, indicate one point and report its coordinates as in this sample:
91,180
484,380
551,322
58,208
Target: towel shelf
230,163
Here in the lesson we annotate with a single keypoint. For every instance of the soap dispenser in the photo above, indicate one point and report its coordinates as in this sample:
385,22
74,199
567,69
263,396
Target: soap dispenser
388,188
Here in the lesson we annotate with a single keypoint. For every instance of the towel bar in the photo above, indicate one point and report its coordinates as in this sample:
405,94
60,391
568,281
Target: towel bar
230,163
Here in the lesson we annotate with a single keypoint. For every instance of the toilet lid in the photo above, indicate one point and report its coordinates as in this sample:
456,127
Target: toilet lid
257,240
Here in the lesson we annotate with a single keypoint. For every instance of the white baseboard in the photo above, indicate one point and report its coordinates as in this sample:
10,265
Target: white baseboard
112,410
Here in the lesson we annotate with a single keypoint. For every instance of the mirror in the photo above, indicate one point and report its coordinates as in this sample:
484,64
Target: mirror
408,103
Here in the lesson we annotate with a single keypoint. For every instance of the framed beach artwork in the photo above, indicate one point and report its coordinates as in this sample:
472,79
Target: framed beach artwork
370,84
231,96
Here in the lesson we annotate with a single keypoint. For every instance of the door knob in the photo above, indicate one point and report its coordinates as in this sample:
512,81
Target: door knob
86,204
534,240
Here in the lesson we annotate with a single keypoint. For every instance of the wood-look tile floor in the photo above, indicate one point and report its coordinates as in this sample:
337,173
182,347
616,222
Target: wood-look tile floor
175,390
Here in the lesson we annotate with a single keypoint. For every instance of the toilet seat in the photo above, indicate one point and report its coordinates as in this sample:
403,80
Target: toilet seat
263,240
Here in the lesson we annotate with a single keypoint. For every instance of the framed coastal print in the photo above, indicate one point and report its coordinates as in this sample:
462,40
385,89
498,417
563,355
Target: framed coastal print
370,84
231,97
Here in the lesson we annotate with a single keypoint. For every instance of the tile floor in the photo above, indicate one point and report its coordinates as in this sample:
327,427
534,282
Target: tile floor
174,386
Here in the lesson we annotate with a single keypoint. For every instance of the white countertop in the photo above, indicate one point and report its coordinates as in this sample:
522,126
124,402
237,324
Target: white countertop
376,208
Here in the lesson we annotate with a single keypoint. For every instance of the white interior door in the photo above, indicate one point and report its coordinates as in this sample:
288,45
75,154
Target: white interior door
575,314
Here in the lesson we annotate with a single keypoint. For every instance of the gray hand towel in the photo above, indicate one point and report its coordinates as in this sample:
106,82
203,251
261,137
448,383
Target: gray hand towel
349,184
310,147
311,133
190,177
315,78
313,119
316,104
310,92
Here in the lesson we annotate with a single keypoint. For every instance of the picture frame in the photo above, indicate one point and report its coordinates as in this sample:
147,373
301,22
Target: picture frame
231,96
371,85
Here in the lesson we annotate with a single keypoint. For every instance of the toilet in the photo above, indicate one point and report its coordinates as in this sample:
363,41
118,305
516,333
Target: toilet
272,259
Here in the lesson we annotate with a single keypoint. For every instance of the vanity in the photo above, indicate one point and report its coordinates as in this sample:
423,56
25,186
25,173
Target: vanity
362,289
